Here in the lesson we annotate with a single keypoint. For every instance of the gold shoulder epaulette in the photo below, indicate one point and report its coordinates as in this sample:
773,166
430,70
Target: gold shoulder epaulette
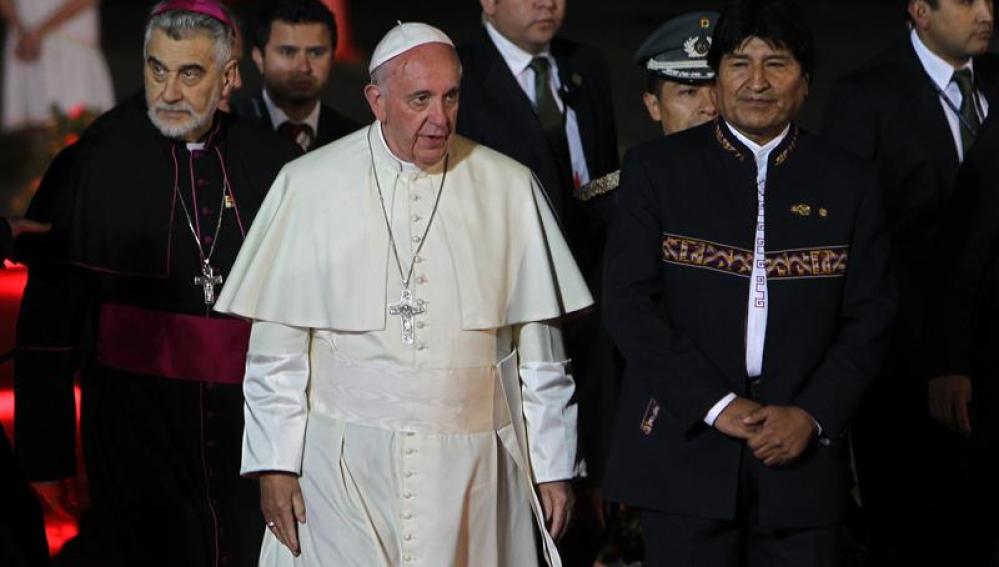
599,186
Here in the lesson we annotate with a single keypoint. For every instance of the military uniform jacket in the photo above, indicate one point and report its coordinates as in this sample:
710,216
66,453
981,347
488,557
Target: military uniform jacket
676,290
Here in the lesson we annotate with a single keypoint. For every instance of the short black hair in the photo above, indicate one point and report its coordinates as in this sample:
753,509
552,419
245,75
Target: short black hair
777,22
293,12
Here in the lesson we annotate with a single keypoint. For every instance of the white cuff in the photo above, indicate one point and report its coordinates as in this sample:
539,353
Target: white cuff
276,410
551,420
718,408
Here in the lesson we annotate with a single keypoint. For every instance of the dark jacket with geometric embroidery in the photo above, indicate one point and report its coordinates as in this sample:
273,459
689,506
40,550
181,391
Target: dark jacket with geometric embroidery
675,294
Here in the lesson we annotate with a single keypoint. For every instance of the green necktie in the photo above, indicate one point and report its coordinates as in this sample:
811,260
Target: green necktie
969,114
552,121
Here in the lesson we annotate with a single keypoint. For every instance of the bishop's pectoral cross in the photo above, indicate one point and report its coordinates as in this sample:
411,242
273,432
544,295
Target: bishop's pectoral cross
407,309
208,280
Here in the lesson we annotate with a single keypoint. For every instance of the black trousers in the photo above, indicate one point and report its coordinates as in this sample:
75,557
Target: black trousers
22,530
928,495
673,540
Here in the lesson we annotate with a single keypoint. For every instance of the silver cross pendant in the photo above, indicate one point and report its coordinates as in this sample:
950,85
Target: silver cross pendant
407,309
208,280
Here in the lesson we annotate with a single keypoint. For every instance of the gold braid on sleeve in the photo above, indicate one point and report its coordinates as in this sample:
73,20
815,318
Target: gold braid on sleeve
599,186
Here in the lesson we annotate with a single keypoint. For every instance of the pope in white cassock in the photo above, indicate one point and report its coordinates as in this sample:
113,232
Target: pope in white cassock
407,400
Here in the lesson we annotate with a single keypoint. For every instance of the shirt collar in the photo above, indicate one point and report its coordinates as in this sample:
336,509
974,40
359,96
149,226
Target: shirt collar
516,58
758,150
940,71
278,116
406,167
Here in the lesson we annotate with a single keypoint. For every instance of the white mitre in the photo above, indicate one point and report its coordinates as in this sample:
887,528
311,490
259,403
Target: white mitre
402,38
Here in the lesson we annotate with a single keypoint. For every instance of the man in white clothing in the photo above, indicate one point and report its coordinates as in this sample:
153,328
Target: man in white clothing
406,384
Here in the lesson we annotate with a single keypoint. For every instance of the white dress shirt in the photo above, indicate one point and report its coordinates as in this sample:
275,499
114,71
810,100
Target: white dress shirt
942,75
278,116
519,62
758,303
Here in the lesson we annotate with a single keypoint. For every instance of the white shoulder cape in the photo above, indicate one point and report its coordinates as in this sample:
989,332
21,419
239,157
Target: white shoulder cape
318,253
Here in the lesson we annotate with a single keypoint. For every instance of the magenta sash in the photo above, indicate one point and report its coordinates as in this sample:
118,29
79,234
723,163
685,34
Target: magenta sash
184,347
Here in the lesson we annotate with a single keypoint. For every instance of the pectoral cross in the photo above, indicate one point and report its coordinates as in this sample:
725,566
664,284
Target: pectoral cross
407,309
208,280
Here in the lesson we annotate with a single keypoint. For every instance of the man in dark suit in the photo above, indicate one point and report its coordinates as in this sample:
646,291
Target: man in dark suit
965,335
747,286
293,50
546,102
914,111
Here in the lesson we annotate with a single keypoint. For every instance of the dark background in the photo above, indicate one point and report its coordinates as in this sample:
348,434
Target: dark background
848,32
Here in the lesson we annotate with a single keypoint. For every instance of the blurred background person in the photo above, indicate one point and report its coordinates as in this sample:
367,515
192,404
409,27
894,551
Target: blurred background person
52,56
293,51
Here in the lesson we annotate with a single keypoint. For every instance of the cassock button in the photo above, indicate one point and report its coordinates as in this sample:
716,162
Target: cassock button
408,537
407,516
421,347
407,495
417,239
407,558
202,183
418,259
416,218
421,279
408,474
420,324
414,197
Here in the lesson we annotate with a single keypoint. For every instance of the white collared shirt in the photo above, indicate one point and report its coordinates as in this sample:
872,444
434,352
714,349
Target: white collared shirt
278,116
942,75
519,62
758,302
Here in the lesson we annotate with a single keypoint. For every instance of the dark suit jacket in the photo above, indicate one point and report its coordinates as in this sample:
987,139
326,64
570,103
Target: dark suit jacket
965,332
332,124
496,112
889,112
679,260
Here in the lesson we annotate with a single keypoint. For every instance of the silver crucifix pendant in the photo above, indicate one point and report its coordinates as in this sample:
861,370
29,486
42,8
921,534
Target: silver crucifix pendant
208,280
407,309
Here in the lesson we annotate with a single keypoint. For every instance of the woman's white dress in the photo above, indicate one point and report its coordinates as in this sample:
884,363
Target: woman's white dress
70,70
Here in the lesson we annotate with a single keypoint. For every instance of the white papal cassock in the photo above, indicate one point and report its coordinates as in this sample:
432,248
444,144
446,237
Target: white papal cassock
422,454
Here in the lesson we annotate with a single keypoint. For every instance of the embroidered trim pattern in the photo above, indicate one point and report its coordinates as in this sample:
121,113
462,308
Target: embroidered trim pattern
720,136
778,160
649,419
782,157
800,263
599,186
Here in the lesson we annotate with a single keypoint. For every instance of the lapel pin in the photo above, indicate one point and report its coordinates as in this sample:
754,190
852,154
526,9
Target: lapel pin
823,212
801,209
577,79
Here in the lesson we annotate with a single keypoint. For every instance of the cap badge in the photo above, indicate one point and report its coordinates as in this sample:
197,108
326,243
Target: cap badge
697,46
705,23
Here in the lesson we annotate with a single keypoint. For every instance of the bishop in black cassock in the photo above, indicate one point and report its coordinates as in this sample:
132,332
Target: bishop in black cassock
119,292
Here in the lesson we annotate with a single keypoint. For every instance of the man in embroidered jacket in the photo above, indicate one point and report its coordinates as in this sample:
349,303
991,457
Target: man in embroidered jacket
373,450
747,287
111,291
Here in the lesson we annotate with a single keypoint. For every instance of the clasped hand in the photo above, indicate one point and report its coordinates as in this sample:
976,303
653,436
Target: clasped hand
777,434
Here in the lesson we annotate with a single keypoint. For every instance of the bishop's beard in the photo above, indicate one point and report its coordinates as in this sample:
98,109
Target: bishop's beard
194,122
